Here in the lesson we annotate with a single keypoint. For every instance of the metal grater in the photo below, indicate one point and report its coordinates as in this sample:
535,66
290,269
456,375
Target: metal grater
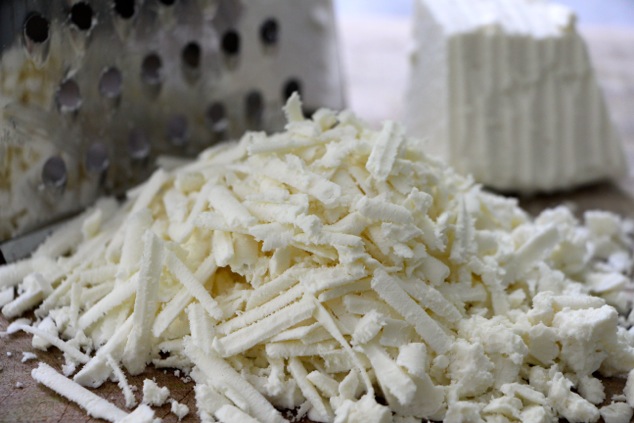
93,91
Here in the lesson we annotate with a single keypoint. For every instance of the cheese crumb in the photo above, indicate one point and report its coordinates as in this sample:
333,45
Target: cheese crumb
153,394
180,410
26,356
617,412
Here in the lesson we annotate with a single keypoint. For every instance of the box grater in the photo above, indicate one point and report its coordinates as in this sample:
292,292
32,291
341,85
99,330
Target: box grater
92,92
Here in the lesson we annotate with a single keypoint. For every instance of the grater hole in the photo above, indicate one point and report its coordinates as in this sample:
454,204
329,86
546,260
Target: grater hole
291,86
111,83
124,8
177,130
81,16
269,32
231,43
138,145
167,2
151,69
68,96
217,118
254,108
36,28
191,55
54,173
97,160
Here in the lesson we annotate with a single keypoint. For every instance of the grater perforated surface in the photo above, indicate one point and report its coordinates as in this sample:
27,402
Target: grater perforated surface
92,92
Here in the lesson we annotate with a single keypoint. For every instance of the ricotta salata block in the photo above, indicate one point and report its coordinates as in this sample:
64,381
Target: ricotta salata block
345,275
505,90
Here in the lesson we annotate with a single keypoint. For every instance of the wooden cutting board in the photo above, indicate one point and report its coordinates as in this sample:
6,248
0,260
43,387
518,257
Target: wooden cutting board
613,54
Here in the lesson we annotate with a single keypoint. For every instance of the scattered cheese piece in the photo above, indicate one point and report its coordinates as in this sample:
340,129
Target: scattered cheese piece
153,394
138,348
221,375
258,332
65,347
366,410
320,410
629,388
179,410
385,151
141,414
26,356
389,290
617,412
130,400
230,414
6,296
95,406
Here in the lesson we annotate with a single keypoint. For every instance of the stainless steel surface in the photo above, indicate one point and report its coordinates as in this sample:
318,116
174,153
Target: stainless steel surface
23,246
105,87
13,17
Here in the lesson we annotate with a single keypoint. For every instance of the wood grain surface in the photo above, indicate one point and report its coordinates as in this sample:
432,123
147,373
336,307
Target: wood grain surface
23,400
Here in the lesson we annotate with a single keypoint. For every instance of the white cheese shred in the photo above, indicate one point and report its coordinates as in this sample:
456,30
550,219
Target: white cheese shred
130,400
193,285
264,329
95,405
65,347
232,414
320,410
390,291
139,345
222,376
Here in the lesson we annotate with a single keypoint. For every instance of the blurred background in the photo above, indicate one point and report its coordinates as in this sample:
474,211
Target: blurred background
590,12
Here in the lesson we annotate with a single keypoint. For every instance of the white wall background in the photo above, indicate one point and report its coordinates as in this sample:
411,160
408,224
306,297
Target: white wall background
590,12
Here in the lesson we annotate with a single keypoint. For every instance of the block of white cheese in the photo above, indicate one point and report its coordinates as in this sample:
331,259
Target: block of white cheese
505,91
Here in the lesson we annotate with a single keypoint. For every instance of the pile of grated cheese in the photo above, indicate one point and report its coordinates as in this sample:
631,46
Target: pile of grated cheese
322,268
